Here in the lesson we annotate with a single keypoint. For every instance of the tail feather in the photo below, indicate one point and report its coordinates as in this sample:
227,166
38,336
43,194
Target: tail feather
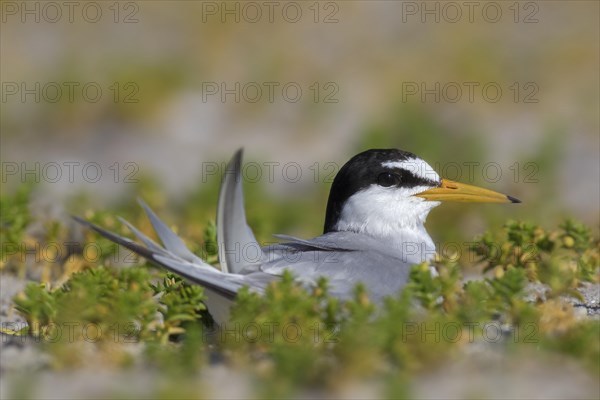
150,244
170,240
197,272
125,242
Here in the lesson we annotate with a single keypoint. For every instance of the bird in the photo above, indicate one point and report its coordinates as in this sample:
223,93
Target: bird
374,232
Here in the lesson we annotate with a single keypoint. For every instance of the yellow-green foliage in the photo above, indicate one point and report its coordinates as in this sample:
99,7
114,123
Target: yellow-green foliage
14,219
106,304
291,337
561,258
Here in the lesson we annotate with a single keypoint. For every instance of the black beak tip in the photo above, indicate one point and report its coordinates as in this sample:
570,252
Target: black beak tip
513,199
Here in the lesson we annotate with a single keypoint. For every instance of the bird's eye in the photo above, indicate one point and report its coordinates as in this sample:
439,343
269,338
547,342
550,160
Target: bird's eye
388,179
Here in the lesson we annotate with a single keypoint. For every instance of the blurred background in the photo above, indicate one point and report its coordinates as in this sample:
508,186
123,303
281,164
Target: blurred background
105,101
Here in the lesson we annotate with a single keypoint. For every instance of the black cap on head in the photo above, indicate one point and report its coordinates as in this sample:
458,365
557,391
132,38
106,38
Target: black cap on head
366,169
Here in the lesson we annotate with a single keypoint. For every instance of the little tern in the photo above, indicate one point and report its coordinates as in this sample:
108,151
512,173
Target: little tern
374,232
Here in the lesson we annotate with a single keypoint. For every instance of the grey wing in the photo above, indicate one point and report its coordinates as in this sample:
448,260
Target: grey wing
238,248
382,274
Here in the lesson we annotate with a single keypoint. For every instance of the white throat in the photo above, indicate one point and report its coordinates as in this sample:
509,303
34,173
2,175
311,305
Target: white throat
392,215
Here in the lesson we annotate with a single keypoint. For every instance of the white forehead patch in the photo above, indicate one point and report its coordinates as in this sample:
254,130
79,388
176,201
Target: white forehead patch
417,166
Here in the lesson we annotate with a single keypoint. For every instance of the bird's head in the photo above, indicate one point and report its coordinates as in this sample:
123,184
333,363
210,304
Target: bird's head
381,191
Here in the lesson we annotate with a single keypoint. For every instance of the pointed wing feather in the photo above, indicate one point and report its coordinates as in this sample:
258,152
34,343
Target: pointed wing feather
308,244
211,279
233,232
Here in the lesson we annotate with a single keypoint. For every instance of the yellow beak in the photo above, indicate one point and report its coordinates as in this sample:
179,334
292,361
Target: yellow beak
456,191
